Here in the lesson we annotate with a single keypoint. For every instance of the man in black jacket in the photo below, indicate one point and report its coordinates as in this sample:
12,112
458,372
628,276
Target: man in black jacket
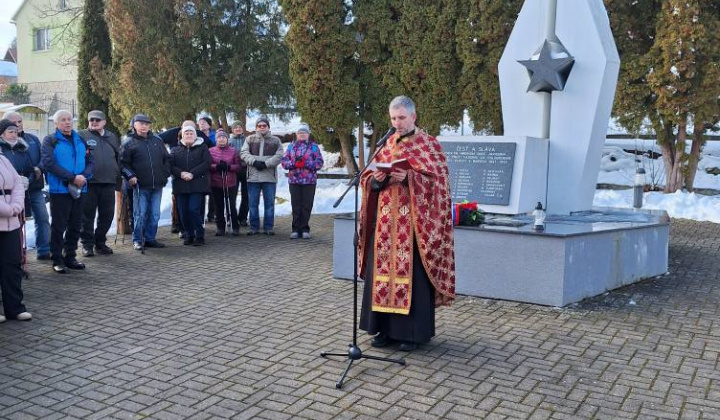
105,149
145,163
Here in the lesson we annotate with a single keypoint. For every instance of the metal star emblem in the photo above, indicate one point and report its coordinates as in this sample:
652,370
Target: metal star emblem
548,74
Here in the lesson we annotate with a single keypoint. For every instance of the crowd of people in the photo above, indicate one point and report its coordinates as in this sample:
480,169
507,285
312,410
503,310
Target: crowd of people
405,237
84,169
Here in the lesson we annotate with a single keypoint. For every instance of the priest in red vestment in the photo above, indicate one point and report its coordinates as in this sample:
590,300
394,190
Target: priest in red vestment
406,253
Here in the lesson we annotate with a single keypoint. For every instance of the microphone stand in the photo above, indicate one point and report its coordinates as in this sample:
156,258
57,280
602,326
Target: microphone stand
354,352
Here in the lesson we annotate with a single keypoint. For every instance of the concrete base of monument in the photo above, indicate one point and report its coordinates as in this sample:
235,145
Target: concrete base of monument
575,257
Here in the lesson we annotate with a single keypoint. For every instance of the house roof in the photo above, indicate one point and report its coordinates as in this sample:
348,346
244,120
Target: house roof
17,12
11,55
8,69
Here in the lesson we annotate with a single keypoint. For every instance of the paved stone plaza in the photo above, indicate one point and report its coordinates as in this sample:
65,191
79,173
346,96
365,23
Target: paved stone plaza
234,330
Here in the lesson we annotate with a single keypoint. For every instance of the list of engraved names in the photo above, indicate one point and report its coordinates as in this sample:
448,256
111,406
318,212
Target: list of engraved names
481,171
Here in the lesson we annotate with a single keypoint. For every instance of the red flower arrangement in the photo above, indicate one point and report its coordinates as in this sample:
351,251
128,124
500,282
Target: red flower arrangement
467,213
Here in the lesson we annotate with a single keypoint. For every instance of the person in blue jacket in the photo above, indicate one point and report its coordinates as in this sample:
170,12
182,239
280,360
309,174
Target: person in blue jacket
68,164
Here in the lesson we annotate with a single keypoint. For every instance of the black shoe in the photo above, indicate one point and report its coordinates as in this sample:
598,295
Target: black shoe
220,233
405,346
60,269
235,232
269,232
154,244
44,257
103,249
188,241
243,223
381,340
74,265
199,242
252,232
88,252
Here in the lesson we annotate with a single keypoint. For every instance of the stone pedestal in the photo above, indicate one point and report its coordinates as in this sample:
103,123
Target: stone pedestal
576,257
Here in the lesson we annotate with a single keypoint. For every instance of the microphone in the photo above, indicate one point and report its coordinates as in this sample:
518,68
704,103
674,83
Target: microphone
385,138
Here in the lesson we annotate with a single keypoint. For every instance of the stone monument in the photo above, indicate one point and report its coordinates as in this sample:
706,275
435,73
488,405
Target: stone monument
558,75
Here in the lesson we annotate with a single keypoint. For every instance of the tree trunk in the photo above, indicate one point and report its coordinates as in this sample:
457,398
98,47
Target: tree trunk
694,160
668,154
241,115
361,145
222,121
675,177
373,140
347,141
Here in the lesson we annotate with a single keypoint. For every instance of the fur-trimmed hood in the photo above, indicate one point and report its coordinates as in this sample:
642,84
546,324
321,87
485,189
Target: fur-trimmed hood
21,144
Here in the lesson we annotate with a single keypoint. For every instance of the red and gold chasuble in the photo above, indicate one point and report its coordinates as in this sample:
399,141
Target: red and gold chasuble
416,211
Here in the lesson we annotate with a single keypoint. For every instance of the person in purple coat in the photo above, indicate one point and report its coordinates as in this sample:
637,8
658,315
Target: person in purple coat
302,160
224,166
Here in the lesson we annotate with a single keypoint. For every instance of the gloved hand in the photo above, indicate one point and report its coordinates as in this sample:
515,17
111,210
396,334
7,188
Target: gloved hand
259,165
300,163
222,166
25,181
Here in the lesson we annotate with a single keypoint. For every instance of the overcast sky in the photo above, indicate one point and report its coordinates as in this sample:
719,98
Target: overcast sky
7,29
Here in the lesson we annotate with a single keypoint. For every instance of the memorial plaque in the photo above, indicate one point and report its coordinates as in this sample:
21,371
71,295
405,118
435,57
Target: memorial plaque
480,171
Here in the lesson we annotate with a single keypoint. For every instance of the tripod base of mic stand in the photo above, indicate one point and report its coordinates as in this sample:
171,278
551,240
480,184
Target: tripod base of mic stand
354,353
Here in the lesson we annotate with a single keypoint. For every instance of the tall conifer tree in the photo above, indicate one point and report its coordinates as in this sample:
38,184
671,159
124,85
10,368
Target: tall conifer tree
150,58
239,55
424,62
668,76
322,68
94,57
483,28
376,25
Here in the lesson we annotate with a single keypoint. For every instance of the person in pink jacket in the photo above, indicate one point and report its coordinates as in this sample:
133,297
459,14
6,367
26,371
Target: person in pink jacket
12,207
224,167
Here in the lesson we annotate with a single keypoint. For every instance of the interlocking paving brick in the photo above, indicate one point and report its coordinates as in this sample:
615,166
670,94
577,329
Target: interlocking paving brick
234,330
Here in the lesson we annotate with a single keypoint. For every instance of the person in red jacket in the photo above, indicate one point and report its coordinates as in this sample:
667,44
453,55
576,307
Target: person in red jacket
224,167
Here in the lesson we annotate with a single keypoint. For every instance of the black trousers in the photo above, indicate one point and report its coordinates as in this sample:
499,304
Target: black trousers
219,198
301,199
244,199
175,215
66,214
100,199
11,273
211,210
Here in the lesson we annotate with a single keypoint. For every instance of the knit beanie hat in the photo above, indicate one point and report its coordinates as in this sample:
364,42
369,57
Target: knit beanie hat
304,128
5,124
263,119
237,124
207,120
220,133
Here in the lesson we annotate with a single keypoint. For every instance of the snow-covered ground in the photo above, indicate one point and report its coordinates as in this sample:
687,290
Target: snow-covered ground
617,167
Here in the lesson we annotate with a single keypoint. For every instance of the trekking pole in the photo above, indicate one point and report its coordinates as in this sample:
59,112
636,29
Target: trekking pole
23,244
226,202
136,192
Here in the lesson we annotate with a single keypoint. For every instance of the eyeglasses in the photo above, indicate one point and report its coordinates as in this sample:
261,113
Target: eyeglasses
94,120
262,126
